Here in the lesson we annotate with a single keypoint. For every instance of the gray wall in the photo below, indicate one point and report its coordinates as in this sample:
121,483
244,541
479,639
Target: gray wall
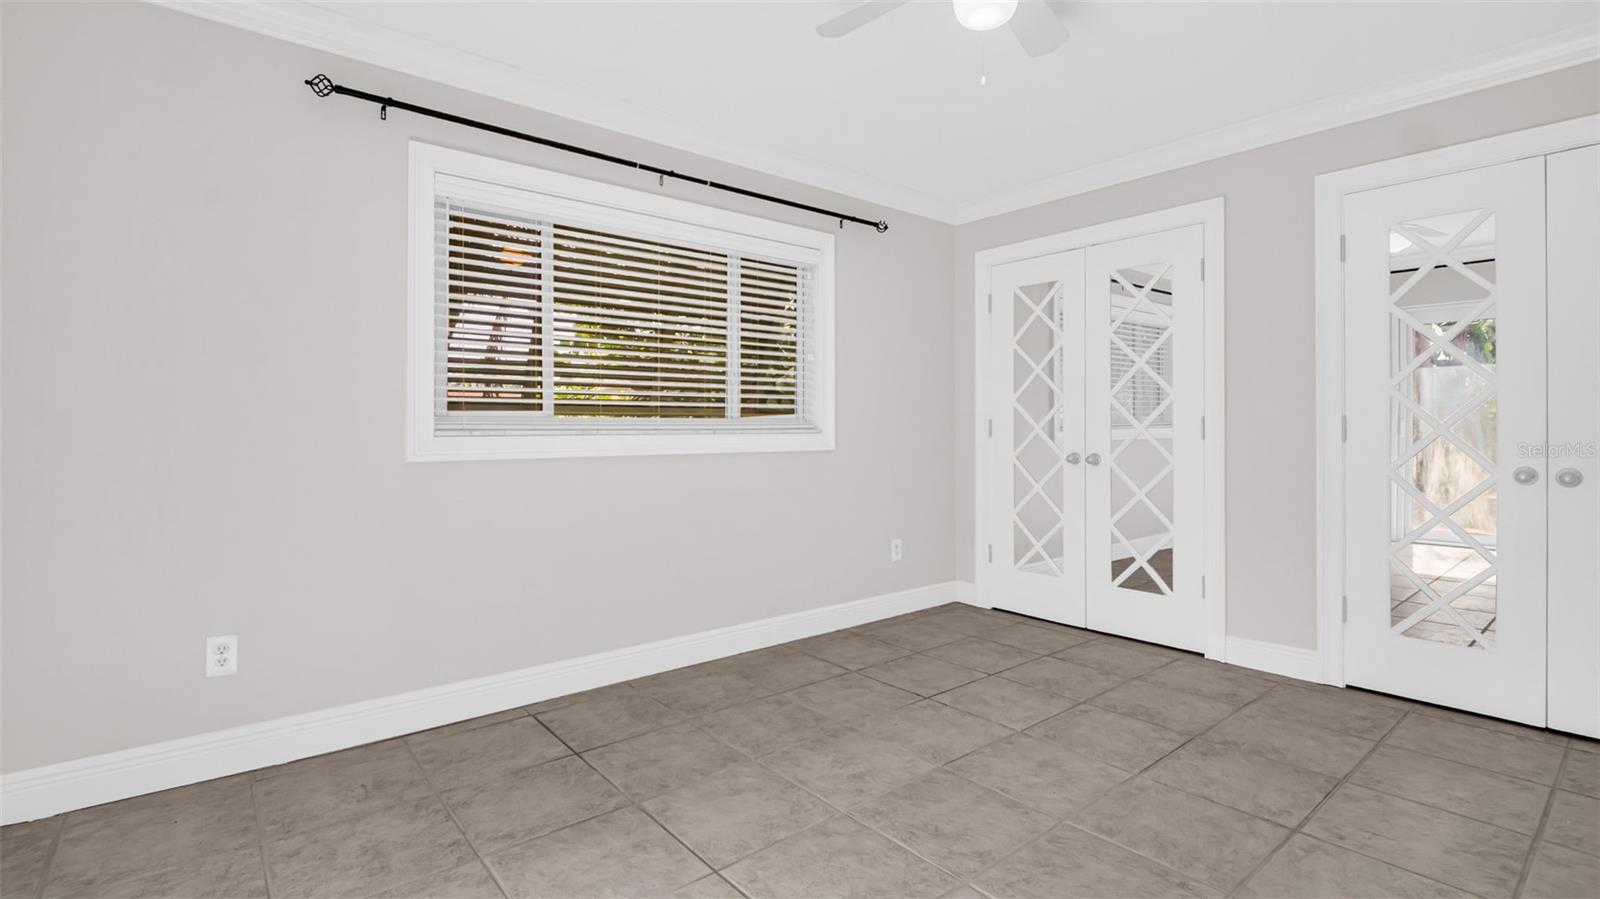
1270,369
204,361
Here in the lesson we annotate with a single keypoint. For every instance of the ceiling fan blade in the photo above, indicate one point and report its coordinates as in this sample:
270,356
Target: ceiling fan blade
1037,27
850,20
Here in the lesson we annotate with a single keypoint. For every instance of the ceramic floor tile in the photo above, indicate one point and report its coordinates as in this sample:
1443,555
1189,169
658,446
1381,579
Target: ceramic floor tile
607,718
1495,724
158,831
447,730
1068,863
1205,840
921,674
484,753
469,881
1574,822
558,702
1042,641
969,621
1530,759
621,853
532,802
848,767
236,874
1121,659
852,697
1210,679
24,849
779,668
358,856
1307,868
712,887
982,655
935,732
318,791
850,650
1127,743
702,688
1259,786
1077,682
954,823
1560,873
738,811
1186,713
837,858
915,635
1039,773
662,760
1470,855
1581,773
1005,702
1499,799
766,725
1346,711
1282,739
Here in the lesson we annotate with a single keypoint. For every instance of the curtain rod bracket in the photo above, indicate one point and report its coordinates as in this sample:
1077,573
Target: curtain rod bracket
323,86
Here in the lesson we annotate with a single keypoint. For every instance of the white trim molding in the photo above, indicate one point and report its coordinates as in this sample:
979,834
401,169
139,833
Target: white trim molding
1210,214
52,789
1514,63
328,30
1275,658
1331,189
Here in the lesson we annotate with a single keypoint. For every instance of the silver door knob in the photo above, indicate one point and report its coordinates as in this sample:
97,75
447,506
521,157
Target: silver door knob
1093,459
1569,477
1073,458
1525,475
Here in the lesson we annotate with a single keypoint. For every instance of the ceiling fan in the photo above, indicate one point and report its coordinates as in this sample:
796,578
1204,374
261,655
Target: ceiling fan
1036,24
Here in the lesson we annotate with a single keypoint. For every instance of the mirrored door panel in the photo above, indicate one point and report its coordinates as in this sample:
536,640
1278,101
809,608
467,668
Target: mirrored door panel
1445,390
1144,397
1036,523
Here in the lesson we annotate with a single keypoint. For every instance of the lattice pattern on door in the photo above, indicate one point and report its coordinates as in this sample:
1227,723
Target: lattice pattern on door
1037,470
1443,394
1141,460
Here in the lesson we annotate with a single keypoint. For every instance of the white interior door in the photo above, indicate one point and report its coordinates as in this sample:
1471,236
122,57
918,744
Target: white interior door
1035,510
1445,507
1573,206
1143,334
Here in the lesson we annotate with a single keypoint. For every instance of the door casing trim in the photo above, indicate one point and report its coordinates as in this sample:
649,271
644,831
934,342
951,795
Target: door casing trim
1208,213
1330,190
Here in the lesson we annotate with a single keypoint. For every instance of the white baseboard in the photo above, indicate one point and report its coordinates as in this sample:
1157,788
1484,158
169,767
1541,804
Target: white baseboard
52,789
1275,658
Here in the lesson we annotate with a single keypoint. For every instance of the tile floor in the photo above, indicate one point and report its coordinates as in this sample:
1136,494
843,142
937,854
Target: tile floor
952,752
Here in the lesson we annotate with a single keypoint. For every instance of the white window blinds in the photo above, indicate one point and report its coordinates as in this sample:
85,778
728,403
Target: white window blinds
550,324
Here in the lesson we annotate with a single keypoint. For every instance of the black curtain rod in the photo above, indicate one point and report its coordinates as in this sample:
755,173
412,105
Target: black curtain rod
323,86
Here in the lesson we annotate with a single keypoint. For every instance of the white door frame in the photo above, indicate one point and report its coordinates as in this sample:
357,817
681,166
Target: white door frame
1208,213
1331,189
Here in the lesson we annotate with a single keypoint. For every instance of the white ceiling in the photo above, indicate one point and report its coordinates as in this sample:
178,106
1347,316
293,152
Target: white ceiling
894,113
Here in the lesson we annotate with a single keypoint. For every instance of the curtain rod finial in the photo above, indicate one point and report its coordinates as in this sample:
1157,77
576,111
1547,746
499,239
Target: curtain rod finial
882,226
320,84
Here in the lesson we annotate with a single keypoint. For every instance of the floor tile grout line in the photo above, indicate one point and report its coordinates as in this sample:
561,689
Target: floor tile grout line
1544,819
50,855
1299,827
1434,755
438,797
261,836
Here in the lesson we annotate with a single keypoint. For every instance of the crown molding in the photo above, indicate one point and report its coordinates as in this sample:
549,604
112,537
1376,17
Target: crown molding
1515,62
325,29
321,28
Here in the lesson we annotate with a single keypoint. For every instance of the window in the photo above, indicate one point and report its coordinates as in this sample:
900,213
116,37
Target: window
556,316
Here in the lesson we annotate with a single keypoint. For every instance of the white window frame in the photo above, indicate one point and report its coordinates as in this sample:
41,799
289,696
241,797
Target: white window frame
510,184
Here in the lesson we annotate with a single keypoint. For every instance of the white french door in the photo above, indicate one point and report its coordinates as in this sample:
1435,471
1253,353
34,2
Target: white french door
1095,459
1144,480
1450,486
1036,506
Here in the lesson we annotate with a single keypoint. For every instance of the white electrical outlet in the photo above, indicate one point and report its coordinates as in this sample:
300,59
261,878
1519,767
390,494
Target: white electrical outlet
222,655
896,550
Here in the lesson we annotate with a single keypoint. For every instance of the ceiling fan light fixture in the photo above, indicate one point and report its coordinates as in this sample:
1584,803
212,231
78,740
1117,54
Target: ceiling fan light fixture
984,15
